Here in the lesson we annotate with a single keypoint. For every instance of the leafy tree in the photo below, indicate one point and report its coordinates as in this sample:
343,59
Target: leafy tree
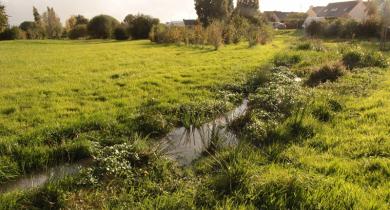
52,24
210,10
3,18
120,33
38,32
79,31
140,26
74,21
385,20
102,27
11,34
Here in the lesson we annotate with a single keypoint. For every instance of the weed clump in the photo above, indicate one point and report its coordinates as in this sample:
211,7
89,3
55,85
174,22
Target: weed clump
311,45
357,58
288,60
329,72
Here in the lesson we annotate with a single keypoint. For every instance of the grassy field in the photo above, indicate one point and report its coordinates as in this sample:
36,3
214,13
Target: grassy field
53,91
329,151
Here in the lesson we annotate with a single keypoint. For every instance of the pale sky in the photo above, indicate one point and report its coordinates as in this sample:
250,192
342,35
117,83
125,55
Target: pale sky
165,10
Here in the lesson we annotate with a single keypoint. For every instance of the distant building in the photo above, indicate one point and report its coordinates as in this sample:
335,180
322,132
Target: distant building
276,16
356,10
176,23
190,22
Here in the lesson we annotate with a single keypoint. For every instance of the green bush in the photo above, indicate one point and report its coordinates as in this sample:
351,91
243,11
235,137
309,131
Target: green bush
11,34
214,32
329,72
102,27
357,58
140,26
315,45
120,33
285,59
79,31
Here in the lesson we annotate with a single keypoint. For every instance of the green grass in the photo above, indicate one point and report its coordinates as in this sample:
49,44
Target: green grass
57,95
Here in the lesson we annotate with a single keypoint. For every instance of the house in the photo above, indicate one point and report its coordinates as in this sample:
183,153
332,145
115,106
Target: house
314,11
175,23
356,10
276,16
190,23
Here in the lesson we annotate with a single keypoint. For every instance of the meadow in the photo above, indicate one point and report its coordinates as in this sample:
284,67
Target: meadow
303,144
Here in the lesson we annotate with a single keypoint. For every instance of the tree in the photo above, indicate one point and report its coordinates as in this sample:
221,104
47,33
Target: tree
385,22
210,10
102,27
52,24
79,31
3,18
120,33
140,26
38,31
248,8
74,21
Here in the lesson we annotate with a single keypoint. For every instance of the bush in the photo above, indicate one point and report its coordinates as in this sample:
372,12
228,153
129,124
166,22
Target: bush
326,73
288,60
356,58
11,34
315,28
140,26
120,33
214,31
79,31
102,27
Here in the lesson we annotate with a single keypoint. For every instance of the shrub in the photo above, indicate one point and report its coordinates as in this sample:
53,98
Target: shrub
120,33
102,27
315,28
11,34
214,31
140,26
326,73
288,60
356,58
79,31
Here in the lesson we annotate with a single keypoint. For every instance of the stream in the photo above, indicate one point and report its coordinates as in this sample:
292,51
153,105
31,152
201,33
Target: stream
183,145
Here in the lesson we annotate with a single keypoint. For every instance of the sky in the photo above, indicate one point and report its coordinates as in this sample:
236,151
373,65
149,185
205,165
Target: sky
165,10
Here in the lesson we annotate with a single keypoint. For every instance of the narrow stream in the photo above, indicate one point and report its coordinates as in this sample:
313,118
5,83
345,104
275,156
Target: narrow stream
182,145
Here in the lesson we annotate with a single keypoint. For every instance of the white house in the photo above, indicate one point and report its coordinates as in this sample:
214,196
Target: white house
356,10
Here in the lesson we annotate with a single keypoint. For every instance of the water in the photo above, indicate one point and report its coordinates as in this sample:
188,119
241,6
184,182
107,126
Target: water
182,145
38,179
187,144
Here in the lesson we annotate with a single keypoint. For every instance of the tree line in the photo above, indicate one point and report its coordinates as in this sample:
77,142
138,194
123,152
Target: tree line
48,26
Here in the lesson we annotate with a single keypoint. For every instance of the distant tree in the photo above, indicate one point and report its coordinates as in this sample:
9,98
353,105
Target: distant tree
74,21
80,19
210,10
385,22
3,18
52,24
121,33
70,23
102,27
79,31
11,34
38,32
248,8
140,26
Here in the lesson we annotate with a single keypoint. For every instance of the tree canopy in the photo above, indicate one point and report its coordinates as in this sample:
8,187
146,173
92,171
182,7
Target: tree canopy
102,27
3,18
210,10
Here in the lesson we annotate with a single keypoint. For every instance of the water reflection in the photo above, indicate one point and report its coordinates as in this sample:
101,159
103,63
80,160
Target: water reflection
39,179
187,144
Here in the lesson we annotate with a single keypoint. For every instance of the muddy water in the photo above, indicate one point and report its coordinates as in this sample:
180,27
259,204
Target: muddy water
187,144
182,145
